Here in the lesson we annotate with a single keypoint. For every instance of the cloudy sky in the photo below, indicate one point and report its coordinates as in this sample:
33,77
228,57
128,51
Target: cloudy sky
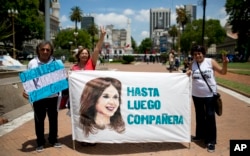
116,12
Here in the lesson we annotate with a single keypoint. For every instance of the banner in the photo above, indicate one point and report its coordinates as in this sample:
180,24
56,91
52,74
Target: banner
45,80
118,107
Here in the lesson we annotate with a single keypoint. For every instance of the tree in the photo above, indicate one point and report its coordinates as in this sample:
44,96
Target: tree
93,31
134,45
182,17
76,15
29,23
238,11
173,32
145,46
65,36
193,33
3,33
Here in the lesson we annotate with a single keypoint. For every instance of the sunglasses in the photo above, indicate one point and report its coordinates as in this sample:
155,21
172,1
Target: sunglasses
45,49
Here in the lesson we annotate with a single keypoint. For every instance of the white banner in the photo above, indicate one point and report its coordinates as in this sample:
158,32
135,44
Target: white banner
117,107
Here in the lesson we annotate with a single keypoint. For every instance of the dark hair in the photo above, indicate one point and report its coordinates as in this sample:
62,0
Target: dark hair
198,48
43,43
92,91
79,52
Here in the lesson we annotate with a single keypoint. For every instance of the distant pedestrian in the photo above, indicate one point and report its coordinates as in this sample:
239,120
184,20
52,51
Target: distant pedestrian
171,61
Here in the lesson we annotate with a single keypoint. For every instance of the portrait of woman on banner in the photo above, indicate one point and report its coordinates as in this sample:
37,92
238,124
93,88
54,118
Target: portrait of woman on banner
100,106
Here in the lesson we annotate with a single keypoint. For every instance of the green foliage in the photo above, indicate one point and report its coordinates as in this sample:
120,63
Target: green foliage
93,31
145,46
243,88
128,59
66,36
223,52
72,59
3,33
76,15
236,65
213,30
238,11
173,32
164,57
29,23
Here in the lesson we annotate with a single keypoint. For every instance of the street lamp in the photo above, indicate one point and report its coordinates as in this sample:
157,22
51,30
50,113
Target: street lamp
13,13
76,34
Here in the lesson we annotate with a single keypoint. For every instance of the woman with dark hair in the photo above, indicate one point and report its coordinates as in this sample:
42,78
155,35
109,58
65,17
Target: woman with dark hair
48,105
202,69
100,106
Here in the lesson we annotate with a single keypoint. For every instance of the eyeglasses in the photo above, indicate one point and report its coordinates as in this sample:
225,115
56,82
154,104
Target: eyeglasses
45,49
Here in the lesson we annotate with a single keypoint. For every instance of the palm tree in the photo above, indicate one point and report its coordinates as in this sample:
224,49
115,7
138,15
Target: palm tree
182,17
76,15
92,30
173,32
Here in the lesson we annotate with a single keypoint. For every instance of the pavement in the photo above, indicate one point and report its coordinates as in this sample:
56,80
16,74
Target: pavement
18,136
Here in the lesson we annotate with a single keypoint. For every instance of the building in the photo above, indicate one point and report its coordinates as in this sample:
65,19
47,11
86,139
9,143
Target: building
87,21
230,41
191,11
159,24
159,19
30,46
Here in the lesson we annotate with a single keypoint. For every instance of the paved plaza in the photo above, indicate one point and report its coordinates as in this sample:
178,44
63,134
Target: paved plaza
17,138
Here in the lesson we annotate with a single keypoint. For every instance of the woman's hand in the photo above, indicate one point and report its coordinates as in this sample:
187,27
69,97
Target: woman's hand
25,95
189,72
103,31
225,58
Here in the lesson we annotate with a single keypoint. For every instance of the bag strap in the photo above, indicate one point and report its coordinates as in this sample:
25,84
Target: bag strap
204,78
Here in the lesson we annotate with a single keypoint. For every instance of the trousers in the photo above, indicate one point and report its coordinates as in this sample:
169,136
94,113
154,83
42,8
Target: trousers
205,119
41,108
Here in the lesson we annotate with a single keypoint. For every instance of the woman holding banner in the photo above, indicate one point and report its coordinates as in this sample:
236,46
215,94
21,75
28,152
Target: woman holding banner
48,105
100,106
85,61
202,96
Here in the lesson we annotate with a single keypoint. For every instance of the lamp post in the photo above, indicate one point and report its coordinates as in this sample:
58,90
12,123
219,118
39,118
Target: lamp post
13,13
76,34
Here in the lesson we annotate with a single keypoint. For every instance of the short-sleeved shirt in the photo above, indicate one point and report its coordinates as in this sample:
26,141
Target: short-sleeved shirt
89,66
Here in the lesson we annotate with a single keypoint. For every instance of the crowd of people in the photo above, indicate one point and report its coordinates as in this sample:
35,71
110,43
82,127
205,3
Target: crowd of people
196,65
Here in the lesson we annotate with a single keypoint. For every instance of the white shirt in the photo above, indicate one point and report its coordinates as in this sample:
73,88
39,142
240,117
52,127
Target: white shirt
199,86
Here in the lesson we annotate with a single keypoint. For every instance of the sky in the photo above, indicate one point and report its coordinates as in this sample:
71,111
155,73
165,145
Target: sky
116,12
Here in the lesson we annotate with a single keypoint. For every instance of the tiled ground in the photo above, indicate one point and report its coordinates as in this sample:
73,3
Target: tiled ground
233,124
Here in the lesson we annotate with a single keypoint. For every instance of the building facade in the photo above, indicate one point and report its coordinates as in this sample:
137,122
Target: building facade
191,11
159,24
87,21
159,19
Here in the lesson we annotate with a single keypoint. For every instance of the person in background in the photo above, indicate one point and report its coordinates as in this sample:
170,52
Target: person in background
202,96
85,61
171,61
177,63
44,51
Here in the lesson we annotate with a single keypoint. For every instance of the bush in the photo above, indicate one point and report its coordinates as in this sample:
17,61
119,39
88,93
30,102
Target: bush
72,59
128,59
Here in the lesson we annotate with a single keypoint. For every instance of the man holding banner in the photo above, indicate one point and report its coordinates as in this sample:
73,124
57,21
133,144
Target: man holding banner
35,86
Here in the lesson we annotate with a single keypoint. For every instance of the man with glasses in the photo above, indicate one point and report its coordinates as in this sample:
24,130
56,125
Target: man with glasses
48,105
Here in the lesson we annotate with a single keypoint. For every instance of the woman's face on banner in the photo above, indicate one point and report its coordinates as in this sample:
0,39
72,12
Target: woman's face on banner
108,102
